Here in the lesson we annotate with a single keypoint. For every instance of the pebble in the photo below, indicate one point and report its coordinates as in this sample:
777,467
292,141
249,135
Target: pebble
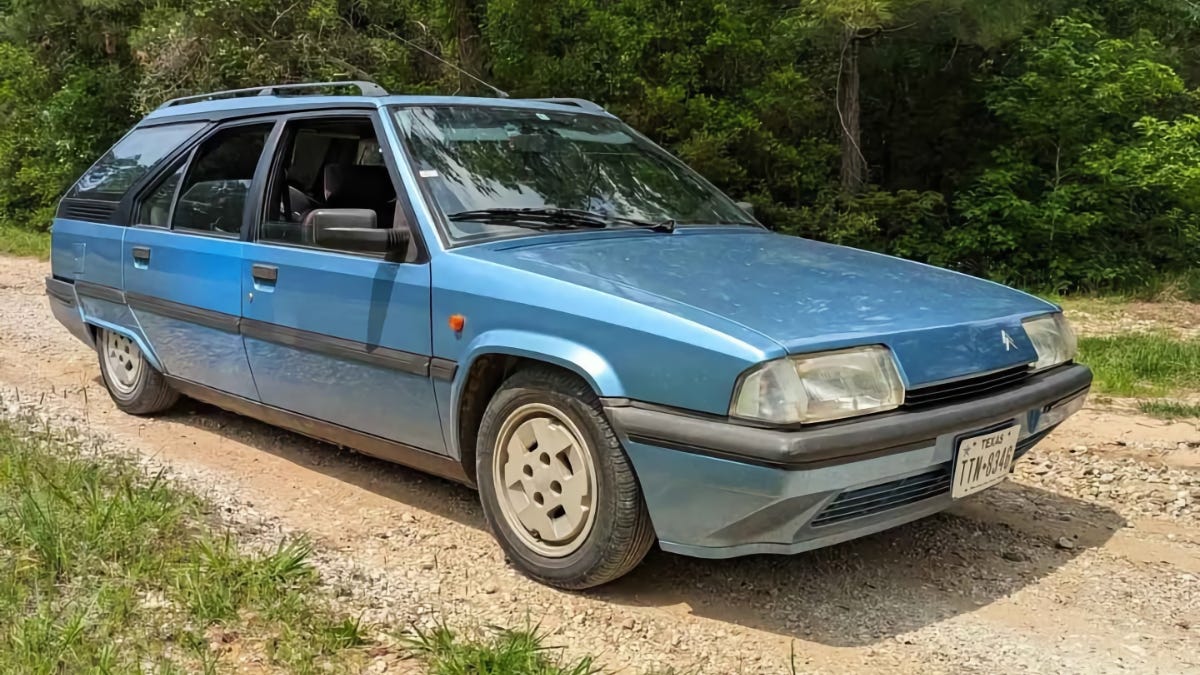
1066,542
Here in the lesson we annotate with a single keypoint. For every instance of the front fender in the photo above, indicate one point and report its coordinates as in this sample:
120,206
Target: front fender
579,359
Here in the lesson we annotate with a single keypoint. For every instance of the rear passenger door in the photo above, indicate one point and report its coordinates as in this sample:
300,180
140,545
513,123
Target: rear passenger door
339,336
182,259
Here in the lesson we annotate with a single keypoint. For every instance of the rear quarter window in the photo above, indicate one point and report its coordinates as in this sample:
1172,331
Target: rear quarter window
130,159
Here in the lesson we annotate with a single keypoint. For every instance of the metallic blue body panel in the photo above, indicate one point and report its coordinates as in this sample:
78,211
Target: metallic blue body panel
356,298
82,251
717,508
195,271
119,319
71,316
804,295
651,349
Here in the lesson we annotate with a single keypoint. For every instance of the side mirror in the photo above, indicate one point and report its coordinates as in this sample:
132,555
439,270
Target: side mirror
354,230
746,206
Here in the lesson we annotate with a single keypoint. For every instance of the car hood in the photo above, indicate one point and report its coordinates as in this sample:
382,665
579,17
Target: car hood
805,295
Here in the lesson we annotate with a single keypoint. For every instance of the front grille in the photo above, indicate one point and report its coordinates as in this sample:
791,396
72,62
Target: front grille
878,498
966,388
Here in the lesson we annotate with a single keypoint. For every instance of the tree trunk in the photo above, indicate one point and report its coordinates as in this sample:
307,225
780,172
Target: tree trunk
467,36
854,164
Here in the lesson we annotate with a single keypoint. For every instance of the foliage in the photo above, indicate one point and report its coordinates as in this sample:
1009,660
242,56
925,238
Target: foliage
105,569
1091,186
1050,144
1140,364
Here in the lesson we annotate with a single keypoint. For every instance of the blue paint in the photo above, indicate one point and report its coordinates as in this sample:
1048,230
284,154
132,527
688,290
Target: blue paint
83,251
356,298
196,271
803,295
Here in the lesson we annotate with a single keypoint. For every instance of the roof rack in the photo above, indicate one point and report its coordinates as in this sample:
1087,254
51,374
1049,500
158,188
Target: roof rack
577,102
364,89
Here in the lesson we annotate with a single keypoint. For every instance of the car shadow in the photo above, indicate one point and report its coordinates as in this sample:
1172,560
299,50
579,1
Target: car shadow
984,549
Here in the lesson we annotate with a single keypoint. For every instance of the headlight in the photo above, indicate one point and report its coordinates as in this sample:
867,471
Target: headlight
820,387
1053,339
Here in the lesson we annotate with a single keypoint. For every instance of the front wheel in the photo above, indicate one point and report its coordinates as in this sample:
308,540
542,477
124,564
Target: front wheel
557,489
134,385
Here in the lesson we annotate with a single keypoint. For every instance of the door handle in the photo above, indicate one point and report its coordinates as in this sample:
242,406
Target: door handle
267,273
141,254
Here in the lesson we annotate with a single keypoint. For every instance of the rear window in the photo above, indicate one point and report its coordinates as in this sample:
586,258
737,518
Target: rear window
131,158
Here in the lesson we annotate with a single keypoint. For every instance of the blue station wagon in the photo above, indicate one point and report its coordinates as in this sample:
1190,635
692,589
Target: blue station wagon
530,297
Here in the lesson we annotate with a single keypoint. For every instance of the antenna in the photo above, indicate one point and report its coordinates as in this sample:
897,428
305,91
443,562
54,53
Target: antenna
499,92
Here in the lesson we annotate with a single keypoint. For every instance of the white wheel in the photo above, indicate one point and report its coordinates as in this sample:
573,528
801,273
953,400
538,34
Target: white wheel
134,385
546,481
556,487
122,361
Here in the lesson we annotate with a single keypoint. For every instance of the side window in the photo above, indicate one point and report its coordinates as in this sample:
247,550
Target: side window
156,207
131,158
212,196
329,163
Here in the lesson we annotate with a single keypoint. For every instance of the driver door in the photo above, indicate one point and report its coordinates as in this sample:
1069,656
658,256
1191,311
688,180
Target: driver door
338,336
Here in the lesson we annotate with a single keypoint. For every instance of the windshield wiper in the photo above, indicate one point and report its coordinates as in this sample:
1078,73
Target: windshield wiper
555,217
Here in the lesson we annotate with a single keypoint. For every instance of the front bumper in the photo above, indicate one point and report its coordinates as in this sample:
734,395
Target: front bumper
716,489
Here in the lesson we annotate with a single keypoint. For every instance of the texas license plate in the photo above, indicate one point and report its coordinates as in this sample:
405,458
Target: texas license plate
983,461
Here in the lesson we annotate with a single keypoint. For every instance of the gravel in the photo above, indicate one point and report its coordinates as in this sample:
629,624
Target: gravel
1087,561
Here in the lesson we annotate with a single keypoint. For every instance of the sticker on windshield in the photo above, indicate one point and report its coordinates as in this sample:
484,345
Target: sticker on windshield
428,173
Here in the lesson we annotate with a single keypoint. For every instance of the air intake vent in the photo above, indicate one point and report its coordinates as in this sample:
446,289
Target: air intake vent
87,209
879,498
966,388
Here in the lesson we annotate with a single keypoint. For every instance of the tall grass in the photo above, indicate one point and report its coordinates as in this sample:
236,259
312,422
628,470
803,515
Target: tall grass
104,569
1142,365
22,242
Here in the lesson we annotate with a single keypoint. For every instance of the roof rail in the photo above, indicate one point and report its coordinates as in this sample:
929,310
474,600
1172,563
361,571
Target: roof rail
577,102
364,89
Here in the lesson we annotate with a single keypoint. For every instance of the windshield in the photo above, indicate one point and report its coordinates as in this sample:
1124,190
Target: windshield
482,164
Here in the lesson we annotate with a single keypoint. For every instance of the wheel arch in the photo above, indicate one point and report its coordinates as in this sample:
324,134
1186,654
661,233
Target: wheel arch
94,325
492,358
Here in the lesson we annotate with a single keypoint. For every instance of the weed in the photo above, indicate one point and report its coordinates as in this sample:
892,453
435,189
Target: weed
1142,364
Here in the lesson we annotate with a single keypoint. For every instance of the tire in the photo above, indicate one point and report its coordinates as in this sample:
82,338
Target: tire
539,408
134,385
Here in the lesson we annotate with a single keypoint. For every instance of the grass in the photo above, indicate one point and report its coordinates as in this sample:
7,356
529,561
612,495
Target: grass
1142,364
22,242
502,652
1170,410
104,569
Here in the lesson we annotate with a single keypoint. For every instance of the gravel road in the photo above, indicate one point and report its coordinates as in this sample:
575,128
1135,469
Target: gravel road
1087,560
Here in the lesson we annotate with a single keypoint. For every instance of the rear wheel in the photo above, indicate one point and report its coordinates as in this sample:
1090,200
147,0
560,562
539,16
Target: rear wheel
134,385
556,486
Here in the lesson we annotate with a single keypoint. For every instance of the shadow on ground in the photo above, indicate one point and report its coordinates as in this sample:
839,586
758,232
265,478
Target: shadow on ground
858,593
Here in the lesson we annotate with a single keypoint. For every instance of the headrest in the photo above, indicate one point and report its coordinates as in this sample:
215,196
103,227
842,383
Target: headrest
358,185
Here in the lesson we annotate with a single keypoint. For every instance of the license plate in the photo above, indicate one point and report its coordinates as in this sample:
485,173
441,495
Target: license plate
983,461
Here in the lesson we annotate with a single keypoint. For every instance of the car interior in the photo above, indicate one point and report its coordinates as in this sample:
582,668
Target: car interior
327,164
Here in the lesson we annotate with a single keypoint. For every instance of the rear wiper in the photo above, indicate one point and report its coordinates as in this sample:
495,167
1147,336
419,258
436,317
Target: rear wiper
555,217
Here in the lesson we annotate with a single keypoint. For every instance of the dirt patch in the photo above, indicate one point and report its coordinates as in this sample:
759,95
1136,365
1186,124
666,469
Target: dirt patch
1097,317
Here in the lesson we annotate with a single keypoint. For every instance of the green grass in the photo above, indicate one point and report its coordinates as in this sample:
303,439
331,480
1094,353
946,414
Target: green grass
103,569
1142,365
502,652
17,241
1170,410
106,570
